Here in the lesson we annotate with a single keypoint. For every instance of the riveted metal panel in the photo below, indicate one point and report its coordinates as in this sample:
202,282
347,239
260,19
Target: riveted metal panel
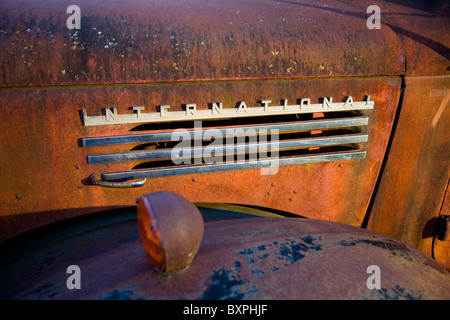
46,169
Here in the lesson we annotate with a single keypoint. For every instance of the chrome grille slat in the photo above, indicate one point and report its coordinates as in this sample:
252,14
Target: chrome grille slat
181,170
165,154
281,127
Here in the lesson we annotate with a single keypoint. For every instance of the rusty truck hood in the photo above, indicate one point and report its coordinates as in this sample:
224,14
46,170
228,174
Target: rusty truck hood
162,41
242,256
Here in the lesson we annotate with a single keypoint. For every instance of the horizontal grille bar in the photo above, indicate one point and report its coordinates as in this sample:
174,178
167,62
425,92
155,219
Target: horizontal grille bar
181,170
281,127
166,154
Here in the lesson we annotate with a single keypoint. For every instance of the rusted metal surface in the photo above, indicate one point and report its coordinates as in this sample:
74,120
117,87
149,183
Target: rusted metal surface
171,229
239,258
414,181
427,52
132,53
158,41
46,168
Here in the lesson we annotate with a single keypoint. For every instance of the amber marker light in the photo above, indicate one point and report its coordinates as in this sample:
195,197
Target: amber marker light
171,230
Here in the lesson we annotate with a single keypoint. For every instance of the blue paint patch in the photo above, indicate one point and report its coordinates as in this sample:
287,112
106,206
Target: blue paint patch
265,255
308,239
247,251
222,286
398,293
289,251
257,271
120,295
346,243
227,283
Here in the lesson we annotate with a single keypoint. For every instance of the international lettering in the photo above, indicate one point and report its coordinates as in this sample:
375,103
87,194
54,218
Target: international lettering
217,110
